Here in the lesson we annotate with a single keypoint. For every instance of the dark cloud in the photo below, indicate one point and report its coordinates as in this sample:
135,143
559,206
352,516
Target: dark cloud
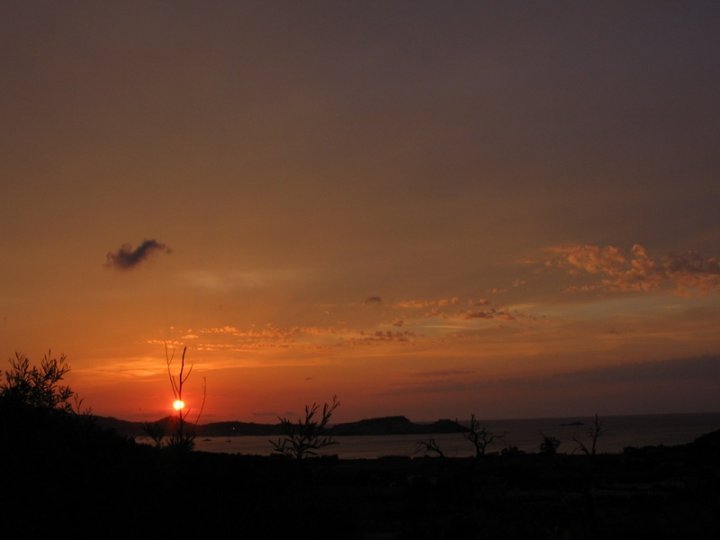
376,300
421,304
491,313
127,258
692,262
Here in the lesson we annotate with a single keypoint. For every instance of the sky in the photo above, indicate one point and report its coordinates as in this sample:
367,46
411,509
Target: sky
427,208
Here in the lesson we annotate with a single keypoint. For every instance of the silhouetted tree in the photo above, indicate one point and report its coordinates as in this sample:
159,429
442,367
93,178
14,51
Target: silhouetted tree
309,434
181,439
595,431
38,387
480,437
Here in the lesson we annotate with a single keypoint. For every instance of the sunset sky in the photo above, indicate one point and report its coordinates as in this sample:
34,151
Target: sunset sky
433,209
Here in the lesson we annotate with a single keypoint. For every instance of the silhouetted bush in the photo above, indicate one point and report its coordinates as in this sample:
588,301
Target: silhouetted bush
429,447
155,431
37,387
549,445
309,434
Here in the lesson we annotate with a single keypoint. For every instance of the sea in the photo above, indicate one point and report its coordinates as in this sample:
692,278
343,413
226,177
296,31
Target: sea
618,433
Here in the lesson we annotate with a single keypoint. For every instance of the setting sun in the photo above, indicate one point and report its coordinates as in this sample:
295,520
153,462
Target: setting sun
178,404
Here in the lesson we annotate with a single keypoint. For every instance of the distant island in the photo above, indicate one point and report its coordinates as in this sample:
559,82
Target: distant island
387,425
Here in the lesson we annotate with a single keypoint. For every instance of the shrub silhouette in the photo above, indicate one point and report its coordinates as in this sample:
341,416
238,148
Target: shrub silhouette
37,387
309,434
155,431
430,446
549,445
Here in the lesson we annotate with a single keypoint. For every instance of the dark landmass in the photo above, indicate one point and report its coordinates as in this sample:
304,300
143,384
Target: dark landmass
395,425
66,476
389,425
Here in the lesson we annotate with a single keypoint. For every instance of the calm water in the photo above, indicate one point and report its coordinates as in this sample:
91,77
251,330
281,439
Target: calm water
621,431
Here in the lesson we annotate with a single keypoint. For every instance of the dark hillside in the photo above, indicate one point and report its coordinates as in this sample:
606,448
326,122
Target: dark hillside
64,475
390,425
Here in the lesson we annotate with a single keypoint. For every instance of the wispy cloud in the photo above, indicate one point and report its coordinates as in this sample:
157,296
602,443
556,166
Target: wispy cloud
491,313
616,270
127,258
231,339
425,304
380,336
223,281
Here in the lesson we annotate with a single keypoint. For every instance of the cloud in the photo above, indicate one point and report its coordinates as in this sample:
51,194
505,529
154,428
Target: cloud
127,258
423,304
591,259
497,290
220,330
451,308
232,339
491,313
479,315
376,300
413,304
636,270
691,271
225,281
380,336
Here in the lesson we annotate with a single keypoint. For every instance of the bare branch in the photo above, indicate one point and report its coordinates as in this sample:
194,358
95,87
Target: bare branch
181,439
430,446
307,435
480,437
168,360
202,405
595,431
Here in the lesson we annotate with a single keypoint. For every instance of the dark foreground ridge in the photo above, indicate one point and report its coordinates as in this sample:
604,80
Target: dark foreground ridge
389,425
65,476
